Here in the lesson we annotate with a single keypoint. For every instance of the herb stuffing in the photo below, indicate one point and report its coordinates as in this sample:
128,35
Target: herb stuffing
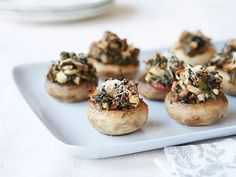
161,69
193,43
71,69
196,84
226,60
115,95
113,50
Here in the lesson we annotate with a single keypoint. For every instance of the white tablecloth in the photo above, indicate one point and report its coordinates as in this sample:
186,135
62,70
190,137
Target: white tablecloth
26,147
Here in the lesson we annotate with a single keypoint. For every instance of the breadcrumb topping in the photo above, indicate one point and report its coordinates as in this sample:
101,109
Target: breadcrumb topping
71,69
196,84
226,60
115,95
113,50
193,43
160,70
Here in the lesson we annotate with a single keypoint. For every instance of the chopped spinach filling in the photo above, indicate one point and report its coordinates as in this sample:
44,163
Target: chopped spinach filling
113,50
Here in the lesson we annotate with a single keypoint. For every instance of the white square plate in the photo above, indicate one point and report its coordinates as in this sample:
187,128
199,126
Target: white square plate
69,123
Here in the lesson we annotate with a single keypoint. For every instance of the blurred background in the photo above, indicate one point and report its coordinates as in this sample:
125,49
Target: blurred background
38,30
146,24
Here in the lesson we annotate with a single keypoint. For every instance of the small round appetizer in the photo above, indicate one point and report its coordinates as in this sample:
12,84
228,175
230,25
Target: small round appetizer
159,76
195,97
114,57
225,63
116,108
194,48
70,78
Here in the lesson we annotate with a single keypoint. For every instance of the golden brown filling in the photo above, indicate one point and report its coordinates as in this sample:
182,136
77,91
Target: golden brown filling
113,50
115,95
193,43
71,69
196,84
160,71
226,60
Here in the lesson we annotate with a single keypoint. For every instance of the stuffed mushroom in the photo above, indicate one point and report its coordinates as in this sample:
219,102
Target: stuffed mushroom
159,76
114,57
195,97
115,107
225,63
194,48
70,78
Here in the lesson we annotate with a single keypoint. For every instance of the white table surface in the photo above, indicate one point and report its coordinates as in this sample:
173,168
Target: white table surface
26,147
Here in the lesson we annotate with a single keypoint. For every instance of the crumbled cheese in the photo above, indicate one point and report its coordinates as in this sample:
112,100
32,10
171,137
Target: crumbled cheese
115,88
77,80
177,77
201,97
116,94
234,54
109,85
216,91
61,77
